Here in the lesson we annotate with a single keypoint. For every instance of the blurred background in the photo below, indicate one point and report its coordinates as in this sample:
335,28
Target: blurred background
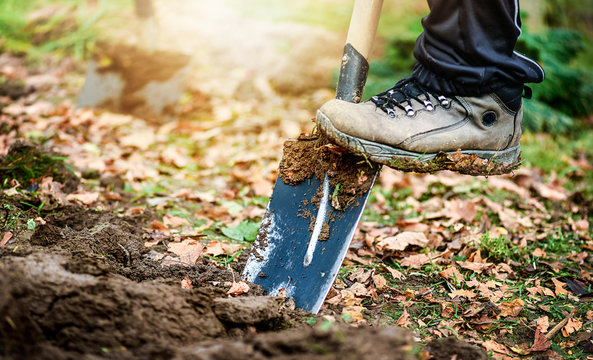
254,48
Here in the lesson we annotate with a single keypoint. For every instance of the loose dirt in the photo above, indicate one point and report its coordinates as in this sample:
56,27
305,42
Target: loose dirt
84,286
312,155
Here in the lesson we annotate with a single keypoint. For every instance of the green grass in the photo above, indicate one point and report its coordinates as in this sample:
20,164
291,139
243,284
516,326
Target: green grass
71,30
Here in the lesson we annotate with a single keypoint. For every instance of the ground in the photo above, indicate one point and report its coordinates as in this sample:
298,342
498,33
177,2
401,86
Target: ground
124,237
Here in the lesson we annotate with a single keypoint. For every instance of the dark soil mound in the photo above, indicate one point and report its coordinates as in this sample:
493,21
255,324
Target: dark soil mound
82,286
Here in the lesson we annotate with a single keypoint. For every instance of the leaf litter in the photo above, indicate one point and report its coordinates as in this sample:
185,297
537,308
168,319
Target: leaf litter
441,254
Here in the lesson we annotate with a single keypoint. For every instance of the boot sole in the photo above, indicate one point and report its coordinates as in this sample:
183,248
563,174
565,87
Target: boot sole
490,162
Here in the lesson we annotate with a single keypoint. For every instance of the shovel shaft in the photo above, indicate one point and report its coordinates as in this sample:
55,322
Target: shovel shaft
355,66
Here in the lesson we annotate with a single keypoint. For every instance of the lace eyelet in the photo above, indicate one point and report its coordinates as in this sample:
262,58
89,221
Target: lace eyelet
428,105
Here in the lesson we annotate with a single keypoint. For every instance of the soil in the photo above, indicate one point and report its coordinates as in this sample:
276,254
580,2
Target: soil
313,155
451,348
83,286
458,162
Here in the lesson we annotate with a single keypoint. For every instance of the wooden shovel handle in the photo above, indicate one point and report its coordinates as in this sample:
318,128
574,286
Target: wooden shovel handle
355,66
363,25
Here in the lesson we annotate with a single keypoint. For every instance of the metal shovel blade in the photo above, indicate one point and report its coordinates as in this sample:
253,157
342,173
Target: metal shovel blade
292,259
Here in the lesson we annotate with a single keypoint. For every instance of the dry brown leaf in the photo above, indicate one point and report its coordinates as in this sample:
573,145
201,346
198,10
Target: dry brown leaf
513,220
540,290
159,226
380,282
402,240
462,293
461,210
176,156
141,139
189,251
415,261
581,227
540,343
475,266
404,319
571,326
447,309
359,289
238,288
511,308
360,275
217,248
492,345
262,187
173,222
551,191
539,253
349,298
452,272
186,283
559,287
355,312
543,324
7,236
395,273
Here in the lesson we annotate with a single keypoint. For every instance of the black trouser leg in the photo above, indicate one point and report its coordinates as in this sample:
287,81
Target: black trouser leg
467,48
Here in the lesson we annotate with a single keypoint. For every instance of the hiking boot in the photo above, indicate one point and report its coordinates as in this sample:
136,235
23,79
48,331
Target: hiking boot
409,124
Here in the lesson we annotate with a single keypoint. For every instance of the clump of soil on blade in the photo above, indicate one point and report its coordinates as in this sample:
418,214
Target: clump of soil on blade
312,155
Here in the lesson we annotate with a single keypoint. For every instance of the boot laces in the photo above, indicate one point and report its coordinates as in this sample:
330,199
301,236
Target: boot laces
401,96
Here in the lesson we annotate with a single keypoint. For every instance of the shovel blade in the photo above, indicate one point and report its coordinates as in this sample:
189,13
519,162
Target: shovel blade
294,255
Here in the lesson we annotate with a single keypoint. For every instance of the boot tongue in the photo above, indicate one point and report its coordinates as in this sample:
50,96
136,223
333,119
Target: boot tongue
511,96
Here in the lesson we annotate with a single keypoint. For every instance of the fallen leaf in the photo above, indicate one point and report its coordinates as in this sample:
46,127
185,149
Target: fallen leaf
86,198
174,221
395,273
551,192
465,293
461,210
360,275
559,287
543,324
140,139
359,289
492,345
186,283
238,288
380,282
7,236
539,253
511,308
452,272
415,261
475,266
571,326
189,251
217,248
404,319
540,343
355,312
159,226
402,240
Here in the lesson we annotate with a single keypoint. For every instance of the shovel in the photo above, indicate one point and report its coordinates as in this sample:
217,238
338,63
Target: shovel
137,80
307,229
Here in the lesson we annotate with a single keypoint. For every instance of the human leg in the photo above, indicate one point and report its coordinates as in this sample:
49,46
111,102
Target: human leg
464,94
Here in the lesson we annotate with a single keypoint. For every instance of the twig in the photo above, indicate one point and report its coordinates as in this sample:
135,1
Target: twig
560,325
